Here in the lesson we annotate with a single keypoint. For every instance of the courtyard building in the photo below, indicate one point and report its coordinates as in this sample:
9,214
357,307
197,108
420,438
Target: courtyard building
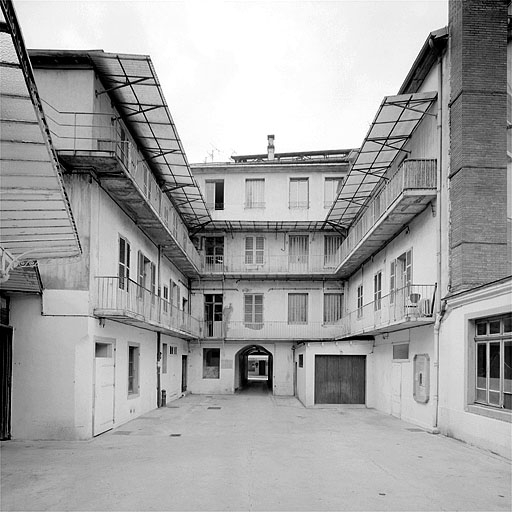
376,277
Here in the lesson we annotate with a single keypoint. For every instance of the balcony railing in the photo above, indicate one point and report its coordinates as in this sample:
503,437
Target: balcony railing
413,303
270,264
411,175
275,330
123,298
80,131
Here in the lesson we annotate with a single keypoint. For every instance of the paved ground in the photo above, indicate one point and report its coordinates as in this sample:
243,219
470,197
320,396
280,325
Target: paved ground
255,452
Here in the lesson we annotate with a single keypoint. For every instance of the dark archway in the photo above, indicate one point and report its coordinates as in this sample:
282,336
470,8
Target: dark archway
254,369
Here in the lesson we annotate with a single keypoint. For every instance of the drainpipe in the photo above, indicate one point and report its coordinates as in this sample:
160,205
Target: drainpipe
158,334
439,312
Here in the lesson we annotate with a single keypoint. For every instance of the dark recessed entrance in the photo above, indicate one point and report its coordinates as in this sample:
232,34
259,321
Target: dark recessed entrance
254,370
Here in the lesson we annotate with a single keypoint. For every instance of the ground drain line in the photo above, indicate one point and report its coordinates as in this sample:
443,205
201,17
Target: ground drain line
214,407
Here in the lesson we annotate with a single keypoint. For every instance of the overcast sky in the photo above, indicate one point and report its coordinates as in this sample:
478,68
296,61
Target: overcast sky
313,73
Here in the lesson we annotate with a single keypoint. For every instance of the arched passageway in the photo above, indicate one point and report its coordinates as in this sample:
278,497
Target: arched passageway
254,370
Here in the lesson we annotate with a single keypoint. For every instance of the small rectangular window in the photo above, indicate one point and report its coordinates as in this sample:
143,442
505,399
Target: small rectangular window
166,299
164,357
297,308
133,369
401,351
255,193
211,363
299,193
301,360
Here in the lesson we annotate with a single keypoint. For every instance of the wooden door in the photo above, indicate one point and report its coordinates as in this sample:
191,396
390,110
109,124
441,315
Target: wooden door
396,390
104,382
340,379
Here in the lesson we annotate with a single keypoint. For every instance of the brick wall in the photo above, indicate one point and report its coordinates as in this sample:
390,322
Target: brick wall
478,108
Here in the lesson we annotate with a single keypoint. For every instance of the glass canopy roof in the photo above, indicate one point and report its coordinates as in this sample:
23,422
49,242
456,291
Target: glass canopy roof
394,123
132,82
35,216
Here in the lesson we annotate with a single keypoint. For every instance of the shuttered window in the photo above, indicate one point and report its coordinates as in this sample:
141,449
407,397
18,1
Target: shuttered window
333,304
331,188
255,193
360,301
299,193
297,308
215,194
253,309
377,291
331,245
254,250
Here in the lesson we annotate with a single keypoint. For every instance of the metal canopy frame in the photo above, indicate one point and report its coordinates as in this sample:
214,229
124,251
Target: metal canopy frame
36,218
393,126
265,225
132,83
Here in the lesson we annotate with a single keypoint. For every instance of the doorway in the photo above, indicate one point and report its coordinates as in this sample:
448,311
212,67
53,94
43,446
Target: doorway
104,386
183,374
255,366
5,381
213,315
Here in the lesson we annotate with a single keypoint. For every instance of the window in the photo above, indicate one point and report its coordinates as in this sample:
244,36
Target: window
401,351
215,194
124,263
213,305
360,301
254,250
400,276
174,286
164,357
331,188
299,193
166,299
298,253
211,363
297,308
173,350
214,253
253,310
493,361
331,245
255,193
133,369
301,360
377,291
333,303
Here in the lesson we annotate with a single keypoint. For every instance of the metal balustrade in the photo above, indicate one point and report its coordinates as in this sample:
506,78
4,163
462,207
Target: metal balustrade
275,330
411,303
123,298
83,131
411,175
270,264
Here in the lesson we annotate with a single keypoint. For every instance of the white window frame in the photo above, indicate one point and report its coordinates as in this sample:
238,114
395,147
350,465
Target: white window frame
360,303
377,291
253,254
123,271
295,199
254,195
133,369
252,317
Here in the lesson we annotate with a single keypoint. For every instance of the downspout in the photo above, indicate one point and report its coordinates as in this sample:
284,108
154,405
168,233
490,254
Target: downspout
158,335
437,309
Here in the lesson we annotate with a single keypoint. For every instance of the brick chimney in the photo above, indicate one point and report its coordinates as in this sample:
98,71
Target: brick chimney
478,142
270,147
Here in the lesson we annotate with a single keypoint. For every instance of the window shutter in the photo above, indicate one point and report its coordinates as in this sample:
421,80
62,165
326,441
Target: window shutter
260,249
249,247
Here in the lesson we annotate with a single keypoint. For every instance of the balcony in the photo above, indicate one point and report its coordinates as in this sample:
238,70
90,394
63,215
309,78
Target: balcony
127,302
405,195
278,265
99,143
407,307
270,330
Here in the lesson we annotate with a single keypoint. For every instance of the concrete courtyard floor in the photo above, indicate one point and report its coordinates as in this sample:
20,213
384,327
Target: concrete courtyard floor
255,452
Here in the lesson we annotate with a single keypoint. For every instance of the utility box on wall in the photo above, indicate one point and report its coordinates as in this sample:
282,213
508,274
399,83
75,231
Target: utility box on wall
421,378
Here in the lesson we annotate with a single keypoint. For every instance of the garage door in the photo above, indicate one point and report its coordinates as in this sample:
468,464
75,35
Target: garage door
340,379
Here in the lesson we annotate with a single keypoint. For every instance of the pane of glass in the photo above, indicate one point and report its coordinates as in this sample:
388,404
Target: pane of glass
481,395
507,401
507,368
481,328
481,366
494,366
494,327
494,397
507,323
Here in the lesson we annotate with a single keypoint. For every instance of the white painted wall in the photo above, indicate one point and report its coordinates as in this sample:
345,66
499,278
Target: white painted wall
171,381
487,427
